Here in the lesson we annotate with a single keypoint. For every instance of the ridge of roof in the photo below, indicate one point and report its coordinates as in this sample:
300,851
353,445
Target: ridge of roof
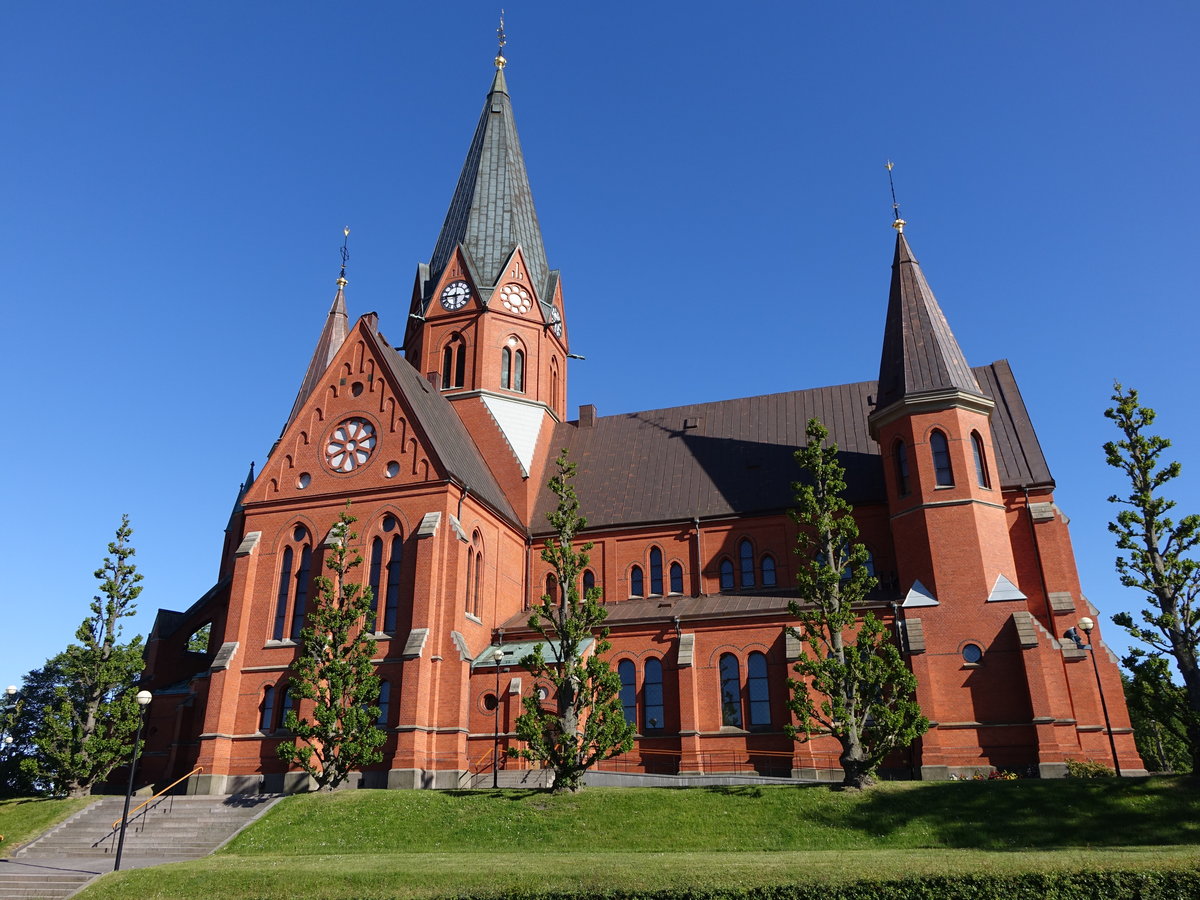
920,353
448,437
491,212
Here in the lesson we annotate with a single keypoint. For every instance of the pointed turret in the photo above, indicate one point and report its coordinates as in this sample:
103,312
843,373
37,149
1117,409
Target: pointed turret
920,354
492,211
337,326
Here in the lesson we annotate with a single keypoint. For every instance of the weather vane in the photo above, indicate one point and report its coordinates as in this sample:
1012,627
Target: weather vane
345,254
898,223
501,62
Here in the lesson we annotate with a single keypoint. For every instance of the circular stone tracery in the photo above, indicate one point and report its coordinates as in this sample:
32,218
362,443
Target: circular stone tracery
350,445
516,299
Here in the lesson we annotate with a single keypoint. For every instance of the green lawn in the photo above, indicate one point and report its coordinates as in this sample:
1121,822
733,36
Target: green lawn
399,844
22,820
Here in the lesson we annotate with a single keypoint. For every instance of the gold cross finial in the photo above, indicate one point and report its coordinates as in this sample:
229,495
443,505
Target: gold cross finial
897,223
501,62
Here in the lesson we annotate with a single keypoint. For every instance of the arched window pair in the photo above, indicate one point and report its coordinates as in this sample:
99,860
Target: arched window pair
653,710
637,582
753,704
512,367
943,469
274,699
475,575
384,574
295,576
454,362
746,569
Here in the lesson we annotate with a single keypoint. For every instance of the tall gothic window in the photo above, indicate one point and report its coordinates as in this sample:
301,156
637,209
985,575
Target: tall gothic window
627,673
726,574
589,580
676,578
768,570
656,571
384,573
266,722
476,588
981,471
652,696
746,556
731,691
900,457
518,375
943,474
757,688
506,368
385,696
294,576
637,587
454,362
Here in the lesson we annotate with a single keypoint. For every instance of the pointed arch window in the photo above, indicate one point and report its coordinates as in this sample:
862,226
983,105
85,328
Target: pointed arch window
981,469
554,381
637,587
758,689
656,571
768,570
552,589
746,556
900,458
454,362
676,578
505,368
627,673
519,371
475,588
266,721
943,473
286,702
295,569
385,571
589,580
726,574
731,691
652,696
385,696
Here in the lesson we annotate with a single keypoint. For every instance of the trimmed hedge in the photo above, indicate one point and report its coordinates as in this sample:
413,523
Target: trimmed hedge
1110,885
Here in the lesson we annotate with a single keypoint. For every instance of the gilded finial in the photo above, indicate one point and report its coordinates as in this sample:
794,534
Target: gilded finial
341,282
501,62
897,223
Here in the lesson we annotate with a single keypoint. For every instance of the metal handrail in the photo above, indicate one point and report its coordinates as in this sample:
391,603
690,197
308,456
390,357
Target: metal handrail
132,813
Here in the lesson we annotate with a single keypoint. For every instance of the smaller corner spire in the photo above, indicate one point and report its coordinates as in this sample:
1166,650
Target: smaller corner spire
897,222
501,40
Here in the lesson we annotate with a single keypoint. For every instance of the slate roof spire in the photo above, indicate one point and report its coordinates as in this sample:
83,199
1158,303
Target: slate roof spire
492,210
333,335
920,354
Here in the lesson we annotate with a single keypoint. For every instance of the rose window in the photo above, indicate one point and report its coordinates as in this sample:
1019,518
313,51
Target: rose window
350,445
515,298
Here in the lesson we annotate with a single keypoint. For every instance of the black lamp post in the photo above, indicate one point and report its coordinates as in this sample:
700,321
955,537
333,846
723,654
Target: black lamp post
143,700
497,656
1086,625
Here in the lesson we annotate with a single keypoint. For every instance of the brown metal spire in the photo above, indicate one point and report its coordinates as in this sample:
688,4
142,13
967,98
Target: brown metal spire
920,353
333,335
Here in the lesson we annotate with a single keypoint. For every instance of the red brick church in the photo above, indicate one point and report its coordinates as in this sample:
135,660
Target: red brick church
442,445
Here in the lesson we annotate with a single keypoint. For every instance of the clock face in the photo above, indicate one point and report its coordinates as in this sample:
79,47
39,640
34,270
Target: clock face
455,295
350,445
516,299
557,320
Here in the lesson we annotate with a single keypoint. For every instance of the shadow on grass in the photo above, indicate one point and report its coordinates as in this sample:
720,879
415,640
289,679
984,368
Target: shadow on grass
1016,815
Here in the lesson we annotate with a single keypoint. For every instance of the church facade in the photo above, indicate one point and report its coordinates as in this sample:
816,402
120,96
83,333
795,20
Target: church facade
443,447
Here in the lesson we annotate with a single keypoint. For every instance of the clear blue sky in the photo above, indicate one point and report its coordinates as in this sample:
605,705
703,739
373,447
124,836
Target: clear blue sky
710,181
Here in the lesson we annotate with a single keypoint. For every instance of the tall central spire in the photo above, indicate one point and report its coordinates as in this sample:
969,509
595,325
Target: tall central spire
492,210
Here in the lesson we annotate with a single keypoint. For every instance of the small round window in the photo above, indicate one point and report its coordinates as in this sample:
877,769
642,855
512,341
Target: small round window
972,654
490,702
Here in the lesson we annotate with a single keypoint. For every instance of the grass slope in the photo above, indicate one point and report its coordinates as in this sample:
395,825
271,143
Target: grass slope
393,844
23,819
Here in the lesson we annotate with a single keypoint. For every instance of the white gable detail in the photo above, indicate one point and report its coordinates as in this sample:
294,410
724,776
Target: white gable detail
520,422
919,595
1004,589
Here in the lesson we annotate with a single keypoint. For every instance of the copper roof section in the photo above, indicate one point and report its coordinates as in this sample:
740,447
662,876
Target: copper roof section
920,353
333,335
492,210
736,457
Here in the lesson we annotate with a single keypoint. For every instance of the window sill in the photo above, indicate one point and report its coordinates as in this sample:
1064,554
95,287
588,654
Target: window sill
473,618
284,643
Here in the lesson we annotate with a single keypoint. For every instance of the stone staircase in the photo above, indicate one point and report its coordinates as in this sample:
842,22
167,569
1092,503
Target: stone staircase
68,856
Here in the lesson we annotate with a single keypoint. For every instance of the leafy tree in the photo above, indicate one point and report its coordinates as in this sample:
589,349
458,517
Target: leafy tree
198,641
1158,713
88,728
853,683
1157,553
587,724
334,670
22,769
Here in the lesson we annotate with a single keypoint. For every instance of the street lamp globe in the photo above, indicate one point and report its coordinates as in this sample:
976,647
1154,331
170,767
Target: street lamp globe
10,690
143,698
498,655
1086,625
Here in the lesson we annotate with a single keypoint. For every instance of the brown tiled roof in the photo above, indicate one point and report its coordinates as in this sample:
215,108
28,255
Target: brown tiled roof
735,457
